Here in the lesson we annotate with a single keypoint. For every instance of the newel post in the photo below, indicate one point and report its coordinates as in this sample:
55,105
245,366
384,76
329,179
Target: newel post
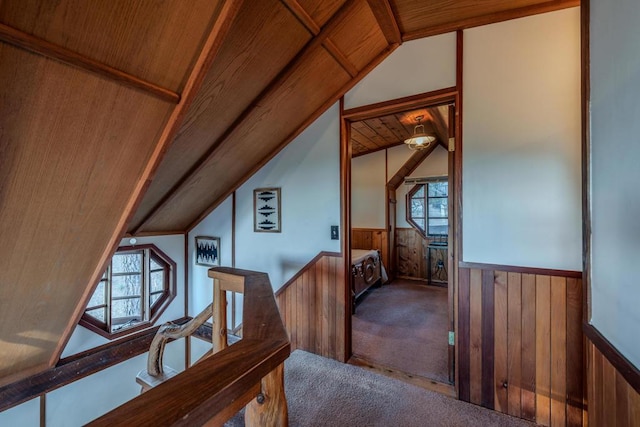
219,331
270,407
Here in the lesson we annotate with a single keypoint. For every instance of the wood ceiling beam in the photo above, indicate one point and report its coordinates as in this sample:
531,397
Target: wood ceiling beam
409,166
386,20
279,80
370,66
490,18
340,57
58,53
219,30
305,19
441,128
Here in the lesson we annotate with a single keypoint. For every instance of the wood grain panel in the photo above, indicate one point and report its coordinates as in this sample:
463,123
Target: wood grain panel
371,238
418,18
523,336
320,11
155,41
265,37
359,43
411,252
612,400
312,309
70,160
296,98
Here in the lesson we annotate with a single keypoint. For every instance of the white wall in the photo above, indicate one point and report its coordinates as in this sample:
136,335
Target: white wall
437,164
417,66
521,159
83,339
615,200
368,190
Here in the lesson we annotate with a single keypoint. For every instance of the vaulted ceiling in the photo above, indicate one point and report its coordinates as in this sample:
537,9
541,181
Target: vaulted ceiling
142,116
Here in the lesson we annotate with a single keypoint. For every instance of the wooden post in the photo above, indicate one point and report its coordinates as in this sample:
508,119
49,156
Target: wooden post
270,407
219,331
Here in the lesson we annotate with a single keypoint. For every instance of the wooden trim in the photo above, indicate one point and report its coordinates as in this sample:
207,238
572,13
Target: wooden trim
228,11
629,372
306,268
58,53
457,204
154,233
368,229
526,270
187,342
463,338
78,366
491,18
218,381
433,99
488,336
586,155
345,208
43,410
386,20
233,229
303,17
374,63
340,57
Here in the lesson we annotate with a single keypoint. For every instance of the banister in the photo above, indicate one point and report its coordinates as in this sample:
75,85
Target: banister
227,380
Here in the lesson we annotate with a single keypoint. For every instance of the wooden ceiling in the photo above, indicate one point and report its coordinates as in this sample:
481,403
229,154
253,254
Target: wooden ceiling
370,135
143,116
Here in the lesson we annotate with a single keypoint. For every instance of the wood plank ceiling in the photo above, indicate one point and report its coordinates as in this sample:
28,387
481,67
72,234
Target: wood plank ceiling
143,116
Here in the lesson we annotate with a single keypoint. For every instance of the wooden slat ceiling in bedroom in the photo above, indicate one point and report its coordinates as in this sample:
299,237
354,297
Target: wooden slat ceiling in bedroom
370,135
77,144
107,101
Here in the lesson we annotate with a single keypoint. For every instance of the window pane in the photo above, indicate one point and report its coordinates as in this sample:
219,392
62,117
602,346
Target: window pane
438,189
157,281
438,226
98,313
128,285
155,265
419,193
420,223
127,263
417,208
153,298
438,207
98,297
130,307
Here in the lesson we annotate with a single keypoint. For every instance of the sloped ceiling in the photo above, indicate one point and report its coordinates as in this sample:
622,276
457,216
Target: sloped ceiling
142,116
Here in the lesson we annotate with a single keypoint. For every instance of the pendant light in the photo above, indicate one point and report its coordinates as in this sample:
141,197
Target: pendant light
420,140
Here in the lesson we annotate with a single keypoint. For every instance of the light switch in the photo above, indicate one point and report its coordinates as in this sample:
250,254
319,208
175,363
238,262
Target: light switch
334,233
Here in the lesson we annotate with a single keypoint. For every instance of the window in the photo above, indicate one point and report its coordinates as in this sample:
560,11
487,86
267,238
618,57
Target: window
136,287
428,208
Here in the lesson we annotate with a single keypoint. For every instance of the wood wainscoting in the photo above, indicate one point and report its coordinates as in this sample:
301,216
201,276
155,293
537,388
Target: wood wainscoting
520,342
411,252
613,383
312,306
372,238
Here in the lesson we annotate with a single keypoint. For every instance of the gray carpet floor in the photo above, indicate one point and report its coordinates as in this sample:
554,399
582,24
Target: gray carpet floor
404,326
323,392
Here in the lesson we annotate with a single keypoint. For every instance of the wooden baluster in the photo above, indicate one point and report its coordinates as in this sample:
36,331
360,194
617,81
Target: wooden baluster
270,407
219,332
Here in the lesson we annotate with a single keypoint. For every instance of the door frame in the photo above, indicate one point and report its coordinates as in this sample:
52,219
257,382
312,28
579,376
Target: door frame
448,96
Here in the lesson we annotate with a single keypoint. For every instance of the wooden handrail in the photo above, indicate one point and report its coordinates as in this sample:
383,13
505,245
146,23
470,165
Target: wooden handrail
217,387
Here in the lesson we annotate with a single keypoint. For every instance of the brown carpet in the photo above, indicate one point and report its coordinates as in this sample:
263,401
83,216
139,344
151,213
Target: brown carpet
323,392
403,326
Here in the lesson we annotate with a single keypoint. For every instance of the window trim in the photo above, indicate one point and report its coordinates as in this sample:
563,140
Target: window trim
102,328
425,233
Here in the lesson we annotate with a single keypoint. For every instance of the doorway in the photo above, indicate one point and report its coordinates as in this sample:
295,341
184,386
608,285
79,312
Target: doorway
403,324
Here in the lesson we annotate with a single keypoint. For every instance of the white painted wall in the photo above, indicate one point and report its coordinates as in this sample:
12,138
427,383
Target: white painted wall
521,160
83,339
368,190
308,173
417,66
437,164
615,200
26,414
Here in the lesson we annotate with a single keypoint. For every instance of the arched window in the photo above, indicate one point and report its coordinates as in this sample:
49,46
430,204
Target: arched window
428,208
136,287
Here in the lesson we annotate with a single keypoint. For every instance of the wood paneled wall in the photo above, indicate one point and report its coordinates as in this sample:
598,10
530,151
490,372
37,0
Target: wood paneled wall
372,238
411,253
613,402
520,342
312,306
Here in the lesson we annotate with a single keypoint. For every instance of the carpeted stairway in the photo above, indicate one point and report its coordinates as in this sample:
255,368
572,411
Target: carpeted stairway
323,392
403,326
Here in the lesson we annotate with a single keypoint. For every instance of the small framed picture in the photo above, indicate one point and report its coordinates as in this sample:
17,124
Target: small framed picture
266,210
207,251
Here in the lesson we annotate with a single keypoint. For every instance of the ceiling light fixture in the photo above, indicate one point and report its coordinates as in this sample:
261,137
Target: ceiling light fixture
420,140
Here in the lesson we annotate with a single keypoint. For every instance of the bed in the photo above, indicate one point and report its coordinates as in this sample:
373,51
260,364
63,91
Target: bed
366,270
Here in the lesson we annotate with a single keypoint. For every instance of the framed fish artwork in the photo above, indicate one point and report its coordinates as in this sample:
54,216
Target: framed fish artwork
266,210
